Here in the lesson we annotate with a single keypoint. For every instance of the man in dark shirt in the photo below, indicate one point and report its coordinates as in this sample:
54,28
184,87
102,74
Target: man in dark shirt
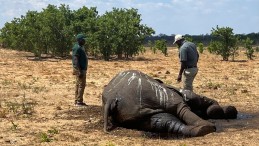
80,63
189,57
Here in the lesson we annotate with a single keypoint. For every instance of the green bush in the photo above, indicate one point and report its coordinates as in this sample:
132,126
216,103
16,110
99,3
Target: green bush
225,43
161,45
249,49
200,47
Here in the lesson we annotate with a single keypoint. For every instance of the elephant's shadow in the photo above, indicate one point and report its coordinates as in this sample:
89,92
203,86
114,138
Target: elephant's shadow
91,116
244,121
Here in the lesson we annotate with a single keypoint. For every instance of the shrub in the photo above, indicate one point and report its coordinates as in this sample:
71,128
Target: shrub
200,47
249,49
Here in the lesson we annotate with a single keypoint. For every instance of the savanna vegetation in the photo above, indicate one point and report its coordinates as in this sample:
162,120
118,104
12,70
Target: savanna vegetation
52,31
117,33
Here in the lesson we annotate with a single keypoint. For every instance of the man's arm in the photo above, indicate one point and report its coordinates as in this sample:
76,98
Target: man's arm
183,66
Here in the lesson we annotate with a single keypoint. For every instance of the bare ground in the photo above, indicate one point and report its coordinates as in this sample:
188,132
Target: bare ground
36,100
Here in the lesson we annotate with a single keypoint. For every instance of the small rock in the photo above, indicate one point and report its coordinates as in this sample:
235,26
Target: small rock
58,108
244,91
225,77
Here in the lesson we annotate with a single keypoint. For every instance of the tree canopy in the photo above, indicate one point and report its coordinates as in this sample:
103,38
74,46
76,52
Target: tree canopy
52,31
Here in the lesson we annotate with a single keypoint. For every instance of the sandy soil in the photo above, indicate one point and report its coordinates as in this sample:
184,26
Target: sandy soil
36,100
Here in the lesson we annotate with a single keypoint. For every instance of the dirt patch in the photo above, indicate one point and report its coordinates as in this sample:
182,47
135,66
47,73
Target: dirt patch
37,97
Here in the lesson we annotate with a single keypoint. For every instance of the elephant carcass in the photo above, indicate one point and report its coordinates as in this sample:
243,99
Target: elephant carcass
133,97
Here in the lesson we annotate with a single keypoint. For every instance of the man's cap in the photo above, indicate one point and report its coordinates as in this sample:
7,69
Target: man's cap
177,37
80,36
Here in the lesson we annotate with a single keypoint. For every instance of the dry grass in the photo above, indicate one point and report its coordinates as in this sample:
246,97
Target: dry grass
36,100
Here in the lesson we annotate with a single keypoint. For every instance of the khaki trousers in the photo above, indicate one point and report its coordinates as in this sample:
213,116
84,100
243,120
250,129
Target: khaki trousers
188,76
80,86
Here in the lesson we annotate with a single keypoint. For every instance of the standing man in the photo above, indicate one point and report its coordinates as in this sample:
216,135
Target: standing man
189,57
80,63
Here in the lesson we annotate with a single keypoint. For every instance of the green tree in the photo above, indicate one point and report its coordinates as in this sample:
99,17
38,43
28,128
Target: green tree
249,49
55,30
33,39
52,31
161,45
44,32
120,32
225,43
85,20
213,46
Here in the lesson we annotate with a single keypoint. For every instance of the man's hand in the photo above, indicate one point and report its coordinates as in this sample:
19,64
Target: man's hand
179,78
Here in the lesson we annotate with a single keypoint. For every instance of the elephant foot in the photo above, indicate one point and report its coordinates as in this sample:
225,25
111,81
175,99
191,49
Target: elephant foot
230,112
215,112
195,131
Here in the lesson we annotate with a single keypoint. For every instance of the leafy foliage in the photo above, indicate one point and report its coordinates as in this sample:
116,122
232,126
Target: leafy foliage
249,49
152,48
52,31
120,32
200,47
226,43
161,45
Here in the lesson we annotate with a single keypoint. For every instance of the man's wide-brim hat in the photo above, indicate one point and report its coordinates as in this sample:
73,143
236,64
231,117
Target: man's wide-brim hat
80,36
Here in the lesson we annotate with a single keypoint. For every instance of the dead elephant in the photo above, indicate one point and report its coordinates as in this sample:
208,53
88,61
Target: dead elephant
133,99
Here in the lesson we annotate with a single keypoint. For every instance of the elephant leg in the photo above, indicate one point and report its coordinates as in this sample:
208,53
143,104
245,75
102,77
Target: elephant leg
197,102
218,112
185,114
230,112
203,106
215,112
167,123
211,108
